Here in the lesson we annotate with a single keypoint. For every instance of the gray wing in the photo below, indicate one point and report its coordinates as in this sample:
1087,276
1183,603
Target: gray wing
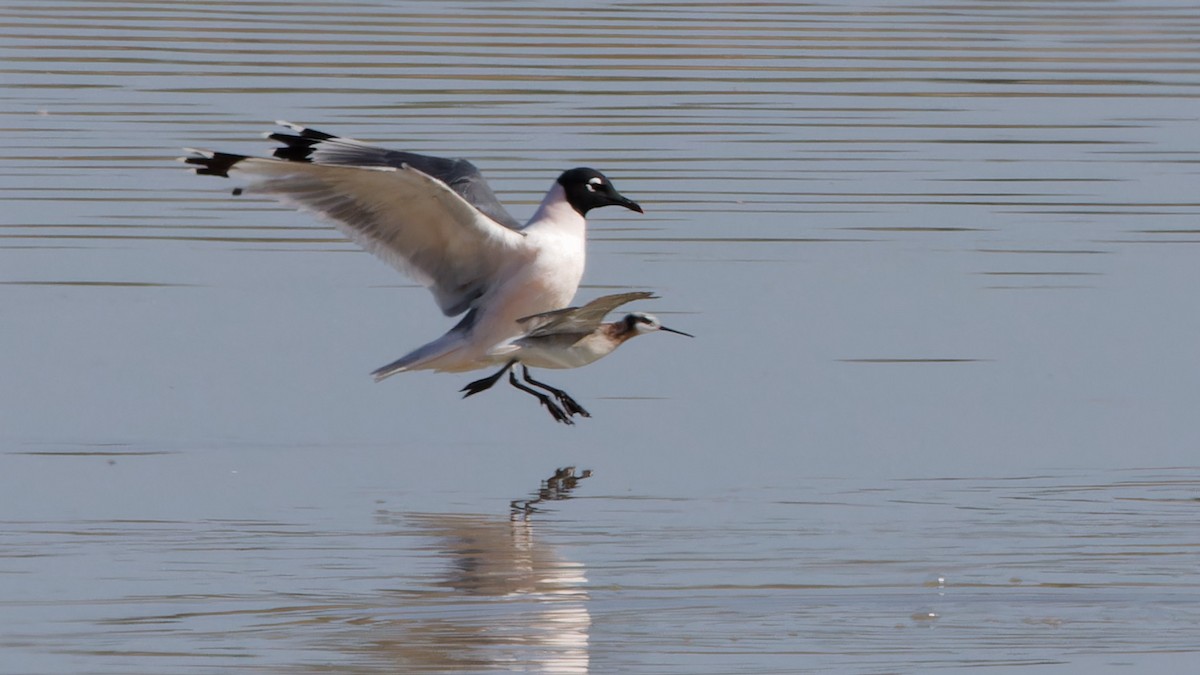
582,320
318,147
410,219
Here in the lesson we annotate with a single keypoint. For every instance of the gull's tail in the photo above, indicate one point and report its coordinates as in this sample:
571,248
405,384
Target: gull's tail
426,357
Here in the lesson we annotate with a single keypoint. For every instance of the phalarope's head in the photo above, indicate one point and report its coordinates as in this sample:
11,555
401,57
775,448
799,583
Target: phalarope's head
640,322
588,189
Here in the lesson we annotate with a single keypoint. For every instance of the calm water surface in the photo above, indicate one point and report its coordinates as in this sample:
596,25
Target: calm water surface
940,259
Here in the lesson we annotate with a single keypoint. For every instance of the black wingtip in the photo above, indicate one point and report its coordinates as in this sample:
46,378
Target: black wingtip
298,146
295,148
213,163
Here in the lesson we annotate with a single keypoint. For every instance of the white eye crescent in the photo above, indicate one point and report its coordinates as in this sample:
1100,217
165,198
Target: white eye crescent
594,182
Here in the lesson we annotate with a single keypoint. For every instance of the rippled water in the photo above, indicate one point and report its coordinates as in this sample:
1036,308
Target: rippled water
1081,572
939,257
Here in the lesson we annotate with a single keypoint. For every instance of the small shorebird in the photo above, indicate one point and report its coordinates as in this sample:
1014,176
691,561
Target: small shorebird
437,220
568,338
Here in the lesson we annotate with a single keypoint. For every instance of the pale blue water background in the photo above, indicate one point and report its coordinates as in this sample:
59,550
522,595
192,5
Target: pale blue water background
941,260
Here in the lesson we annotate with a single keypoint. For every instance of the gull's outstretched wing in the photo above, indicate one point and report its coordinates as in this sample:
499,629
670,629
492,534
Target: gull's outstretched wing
582,320
318,147
410,219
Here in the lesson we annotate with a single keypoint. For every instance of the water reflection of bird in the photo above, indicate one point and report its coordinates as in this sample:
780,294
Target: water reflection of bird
558,486
503,599
568,338
437,220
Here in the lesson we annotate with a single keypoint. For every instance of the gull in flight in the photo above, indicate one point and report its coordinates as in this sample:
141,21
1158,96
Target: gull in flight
437,220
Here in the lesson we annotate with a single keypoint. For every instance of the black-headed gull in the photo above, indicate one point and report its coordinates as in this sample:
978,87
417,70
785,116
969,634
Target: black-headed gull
437,220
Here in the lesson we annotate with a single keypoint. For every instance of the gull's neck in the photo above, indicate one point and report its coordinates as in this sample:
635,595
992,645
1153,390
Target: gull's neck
556,212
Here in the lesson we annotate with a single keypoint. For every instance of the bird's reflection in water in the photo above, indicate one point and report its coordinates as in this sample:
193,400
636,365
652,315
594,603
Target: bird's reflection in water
506,601
556,487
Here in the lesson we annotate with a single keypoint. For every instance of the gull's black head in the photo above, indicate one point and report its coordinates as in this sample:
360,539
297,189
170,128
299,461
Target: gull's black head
588,189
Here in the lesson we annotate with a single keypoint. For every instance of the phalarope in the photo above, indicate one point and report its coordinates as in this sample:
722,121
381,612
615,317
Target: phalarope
568,338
